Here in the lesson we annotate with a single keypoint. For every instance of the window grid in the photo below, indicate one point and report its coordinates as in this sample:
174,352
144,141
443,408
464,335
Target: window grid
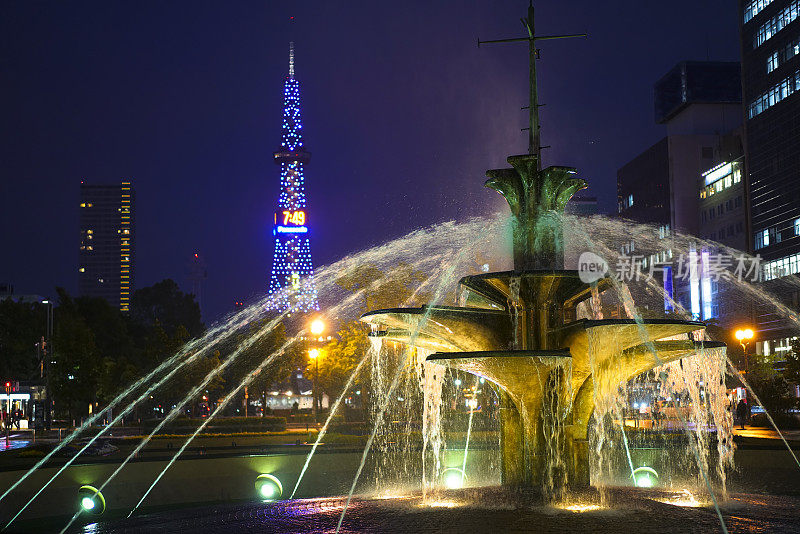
777,23
753,8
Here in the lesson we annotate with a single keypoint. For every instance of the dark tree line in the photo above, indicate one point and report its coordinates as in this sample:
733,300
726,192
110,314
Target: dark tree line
99,352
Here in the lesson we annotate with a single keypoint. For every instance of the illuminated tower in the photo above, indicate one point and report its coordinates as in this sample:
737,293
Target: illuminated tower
291,284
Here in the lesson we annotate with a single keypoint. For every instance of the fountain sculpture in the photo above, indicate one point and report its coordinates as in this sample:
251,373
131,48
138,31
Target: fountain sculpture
521,330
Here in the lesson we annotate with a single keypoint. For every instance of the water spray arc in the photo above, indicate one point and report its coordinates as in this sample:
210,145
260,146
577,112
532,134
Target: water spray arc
226,328
221,406
269,327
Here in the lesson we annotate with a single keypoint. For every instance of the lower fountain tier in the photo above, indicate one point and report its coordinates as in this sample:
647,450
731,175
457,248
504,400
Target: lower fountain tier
543,399
613,345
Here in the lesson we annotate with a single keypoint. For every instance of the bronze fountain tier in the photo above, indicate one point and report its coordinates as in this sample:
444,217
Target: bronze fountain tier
521,330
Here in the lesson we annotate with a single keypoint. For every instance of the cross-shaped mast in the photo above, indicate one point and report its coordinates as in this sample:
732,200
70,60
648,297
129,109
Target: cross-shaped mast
534,142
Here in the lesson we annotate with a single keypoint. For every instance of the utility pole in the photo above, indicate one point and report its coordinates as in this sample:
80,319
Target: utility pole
534,139
47,354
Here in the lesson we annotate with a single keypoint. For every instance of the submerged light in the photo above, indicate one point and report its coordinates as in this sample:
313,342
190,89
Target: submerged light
453,478
644,477
91,500
268,487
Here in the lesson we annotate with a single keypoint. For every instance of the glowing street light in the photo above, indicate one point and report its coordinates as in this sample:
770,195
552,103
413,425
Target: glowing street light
744,335
317,327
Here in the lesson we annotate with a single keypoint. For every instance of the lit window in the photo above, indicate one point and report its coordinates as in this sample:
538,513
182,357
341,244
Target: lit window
82,270
772,62
753,8
83,204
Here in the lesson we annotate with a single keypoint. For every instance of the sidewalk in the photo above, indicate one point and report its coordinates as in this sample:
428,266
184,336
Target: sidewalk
765,433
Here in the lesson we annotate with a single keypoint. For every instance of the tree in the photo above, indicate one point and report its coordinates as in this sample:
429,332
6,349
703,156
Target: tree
384,289
340,357
792,372
166,305
74,376
772,389
284,364
22,325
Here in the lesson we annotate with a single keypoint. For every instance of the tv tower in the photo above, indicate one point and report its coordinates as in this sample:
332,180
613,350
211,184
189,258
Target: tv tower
291,283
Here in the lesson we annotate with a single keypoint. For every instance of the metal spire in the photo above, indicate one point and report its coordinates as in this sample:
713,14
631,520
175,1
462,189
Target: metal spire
534,146
291,60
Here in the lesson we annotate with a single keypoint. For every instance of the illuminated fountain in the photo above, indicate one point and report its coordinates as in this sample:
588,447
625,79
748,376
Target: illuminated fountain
537,333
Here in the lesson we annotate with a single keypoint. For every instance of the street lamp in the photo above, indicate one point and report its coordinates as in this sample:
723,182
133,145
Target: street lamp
744,335
314,355
317,327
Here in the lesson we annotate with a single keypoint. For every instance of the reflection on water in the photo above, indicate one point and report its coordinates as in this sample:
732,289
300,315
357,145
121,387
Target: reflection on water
13,444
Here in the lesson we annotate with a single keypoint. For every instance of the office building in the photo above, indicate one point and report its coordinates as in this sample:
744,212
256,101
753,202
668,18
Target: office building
770,44
699,103
107,243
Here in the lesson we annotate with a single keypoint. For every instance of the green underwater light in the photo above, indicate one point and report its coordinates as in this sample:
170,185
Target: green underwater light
268,487
91,500
453,478
644,477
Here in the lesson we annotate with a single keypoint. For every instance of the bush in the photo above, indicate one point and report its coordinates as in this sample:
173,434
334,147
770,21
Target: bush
352,429
31,453
344,440
224,424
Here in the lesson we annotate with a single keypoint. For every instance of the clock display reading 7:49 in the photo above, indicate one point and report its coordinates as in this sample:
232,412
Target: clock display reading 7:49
290,218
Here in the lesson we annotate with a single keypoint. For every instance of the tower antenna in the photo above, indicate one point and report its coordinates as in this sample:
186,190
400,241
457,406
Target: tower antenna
534,141
291,60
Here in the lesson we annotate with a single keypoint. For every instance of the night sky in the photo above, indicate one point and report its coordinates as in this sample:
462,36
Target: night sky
402,111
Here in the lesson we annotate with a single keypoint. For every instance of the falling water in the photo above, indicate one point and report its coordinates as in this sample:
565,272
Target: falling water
374,349
701,378
556,406
431,377
513,299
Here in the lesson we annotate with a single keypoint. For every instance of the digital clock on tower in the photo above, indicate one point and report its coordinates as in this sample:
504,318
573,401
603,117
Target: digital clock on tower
290,222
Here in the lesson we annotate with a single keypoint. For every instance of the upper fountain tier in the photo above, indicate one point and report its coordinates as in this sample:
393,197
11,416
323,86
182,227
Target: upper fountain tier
537,199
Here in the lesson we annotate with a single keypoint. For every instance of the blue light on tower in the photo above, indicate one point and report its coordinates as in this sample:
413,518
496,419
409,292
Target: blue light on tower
291,284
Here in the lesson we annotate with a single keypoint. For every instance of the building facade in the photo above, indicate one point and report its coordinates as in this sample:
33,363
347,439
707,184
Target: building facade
107,243
770,47
699,103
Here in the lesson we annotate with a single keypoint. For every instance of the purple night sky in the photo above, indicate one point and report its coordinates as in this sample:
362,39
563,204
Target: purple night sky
402,111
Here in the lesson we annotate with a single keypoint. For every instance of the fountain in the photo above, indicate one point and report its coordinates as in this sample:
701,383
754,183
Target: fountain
536,332
521,330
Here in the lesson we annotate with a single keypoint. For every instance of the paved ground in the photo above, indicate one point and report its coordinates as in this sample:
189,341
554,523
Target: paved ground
487,511
765,433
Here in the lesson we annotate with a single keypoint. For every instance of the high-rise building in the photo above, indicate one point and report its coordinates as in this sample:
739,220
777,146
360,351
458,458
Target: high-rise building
771,77
666,185
770,44
291,284
106,259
